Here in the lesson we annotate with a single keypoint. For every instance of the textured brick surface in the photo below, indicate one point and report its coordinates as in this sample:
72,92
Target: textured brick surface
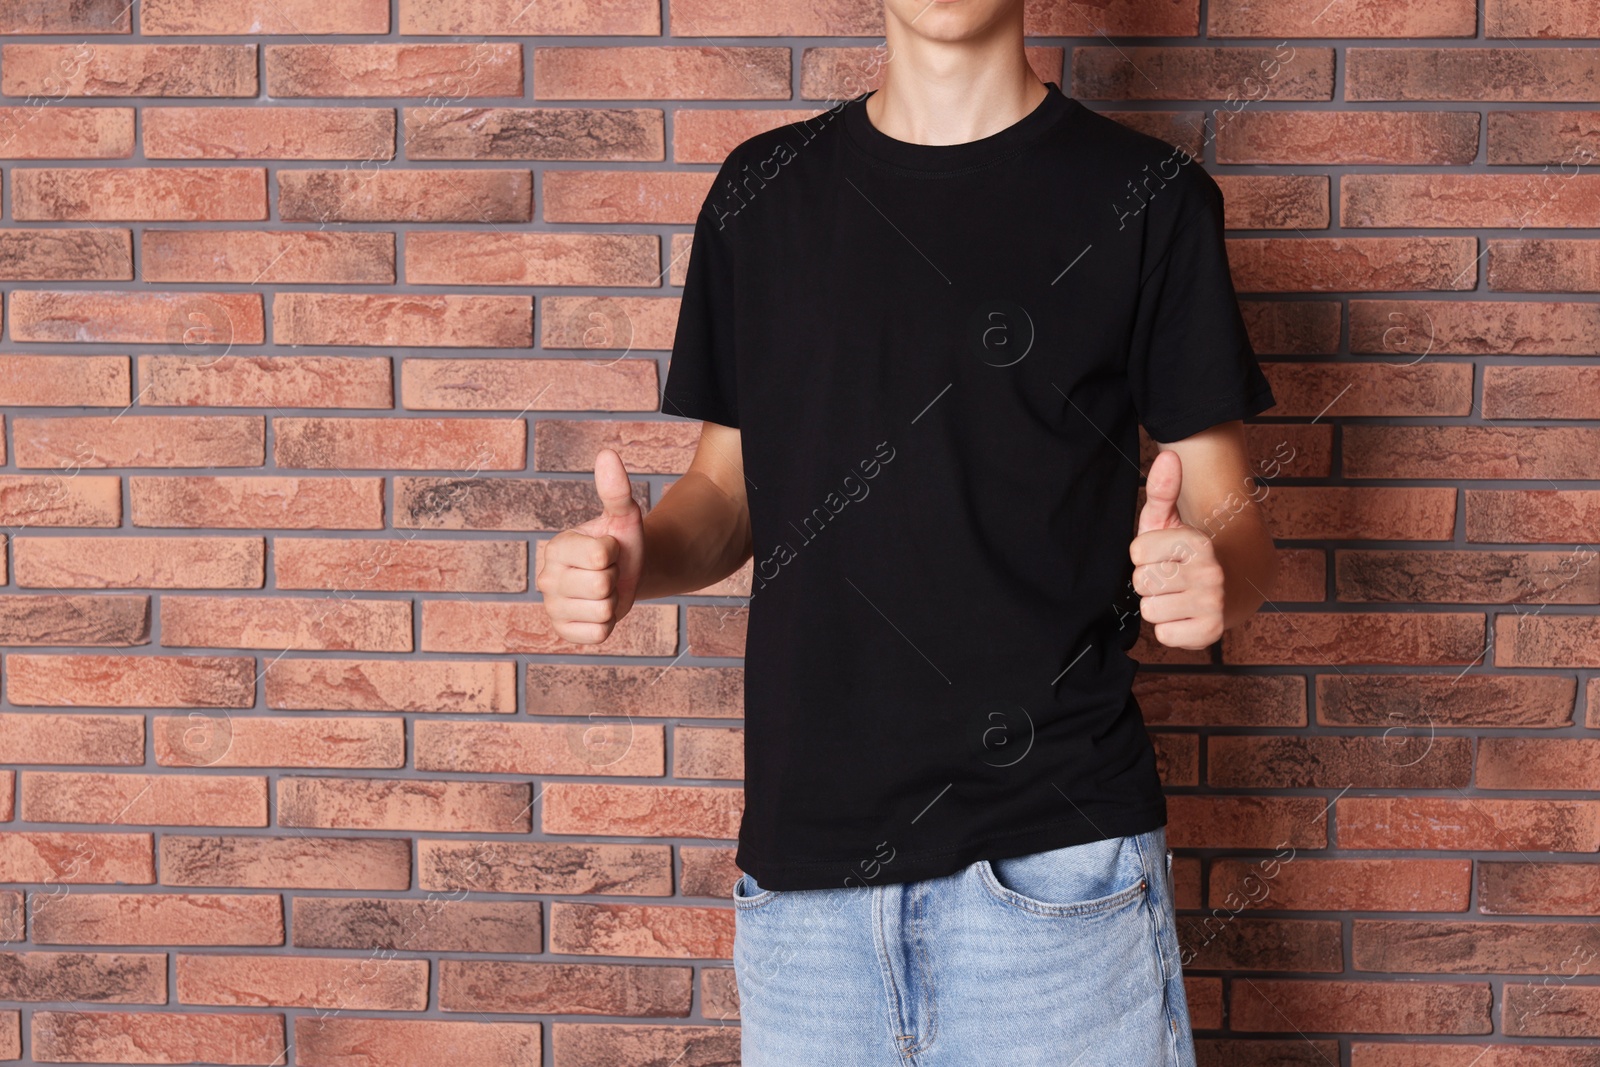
314,315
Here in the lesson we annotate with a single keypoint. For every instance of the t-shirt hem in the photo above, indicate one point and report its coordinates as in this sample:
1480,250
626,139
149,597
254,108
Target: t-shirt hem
689,406
1218,410
1094,825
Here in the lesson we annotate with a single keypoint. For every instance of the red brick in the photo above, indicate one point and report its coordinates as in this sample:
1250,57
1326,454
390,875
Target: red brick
1531,515
1346,264
436,71
90,441
66,255
319,624
653,447
1297,883
60,70
1199,821
266,381
1466,700
1470,577
1538,640
634,196
450,503
346,1041
159,919
1346,137
642,810
64,381
260,741
1367,389
490,17
68,619
303,982
1318,18
1410,638
71,133
328,803
191,319
1468,451
405,196
262,17
523,748
1565,137
190,194
679,72
641,930
268,258
295,861
94,977
1415,328
1362,513
1476,74
1541,392
1497,200
1274,201
1547,764
529,988
1474,947
402,320
1257,944
1522,888
391,685
253,501
1477,824
1393,761
1238,74
1360,1007
509,628
72,737
140,799
1550,1008
683,692
529,385
467,445
602,1044
264,132
482,133
73,858
718,752
401,564
86,16
523,259
131,681
1545,265
527,866
110,1036
140,562
707,135
1539,18
1475,1055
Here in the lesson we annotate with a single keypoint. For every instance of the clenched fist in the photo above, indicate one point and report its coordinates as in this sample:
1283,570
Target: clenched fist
591,571
1176,572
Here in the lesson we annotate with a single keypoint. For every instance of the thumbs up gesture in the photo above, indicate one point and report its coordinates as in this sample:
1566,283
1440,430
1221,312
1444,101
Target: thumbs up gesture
591,571
1176,572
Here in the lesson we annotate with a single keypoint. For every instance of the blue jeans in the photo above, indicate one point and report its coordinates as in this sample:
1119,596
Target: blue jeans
1064,958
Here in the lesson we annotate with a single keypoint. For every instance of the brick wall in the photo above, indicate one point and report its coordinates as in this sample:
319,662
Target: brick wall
297,772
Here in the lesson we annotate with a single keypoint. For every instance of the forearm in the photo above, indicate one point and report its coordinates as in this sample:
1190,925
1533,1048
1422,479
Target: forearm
695,536
1249,562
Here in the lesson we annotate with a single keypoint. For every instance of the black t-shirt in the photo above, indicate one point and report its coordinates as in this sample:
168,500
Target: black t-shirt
938,356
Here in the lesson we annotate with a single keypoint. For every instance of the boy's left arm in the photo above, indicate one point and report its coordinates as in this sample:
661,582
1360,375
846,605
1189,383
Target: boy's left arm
1203,556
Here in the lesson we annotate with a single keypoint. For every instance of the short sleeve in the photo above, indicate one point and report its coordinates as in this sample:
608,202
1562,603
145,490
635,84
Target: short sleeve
701,380
1190,364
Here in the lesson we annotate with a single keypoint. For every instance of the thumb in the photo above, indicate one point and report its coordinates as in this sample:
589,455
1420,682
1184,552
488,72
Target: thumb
1161,485
611,482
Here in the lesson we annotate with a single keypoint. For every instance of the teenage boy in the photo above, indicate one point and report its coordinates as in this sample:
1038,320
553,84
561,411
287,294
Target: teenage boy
921,331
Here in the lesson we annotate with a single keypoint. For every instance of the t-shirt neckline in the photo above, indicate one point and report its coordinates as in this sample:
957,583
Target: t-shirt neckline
952,157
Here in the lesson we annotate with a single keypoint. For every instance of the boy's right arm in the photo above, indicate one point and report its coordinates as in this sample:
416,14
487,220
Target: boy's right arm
698,534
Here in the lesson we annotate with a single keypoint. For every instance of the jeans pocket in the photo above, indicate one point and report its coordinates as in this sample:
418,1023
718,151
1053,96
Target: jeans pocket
747,894
1085,879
